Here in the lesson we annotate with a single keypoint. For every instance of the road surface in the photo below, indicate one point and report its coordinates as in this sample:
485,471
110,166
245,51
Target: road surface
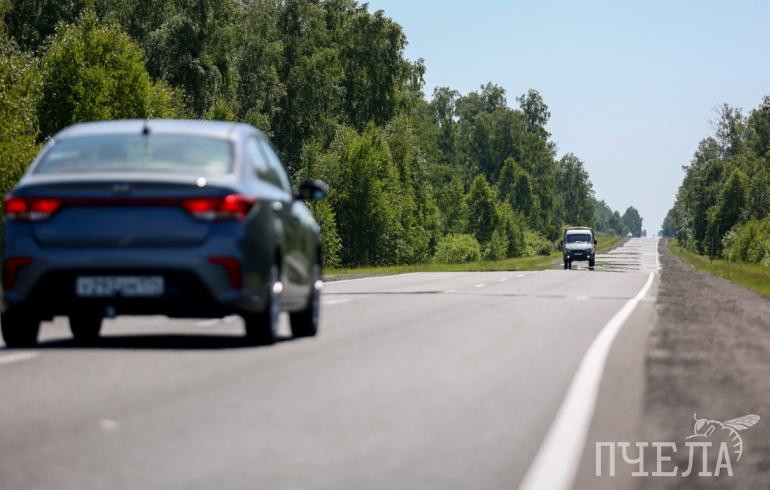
425,380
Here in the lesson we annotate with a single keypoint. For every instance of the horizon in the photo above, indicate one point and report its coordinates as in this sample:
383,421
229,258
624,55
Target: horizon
653,73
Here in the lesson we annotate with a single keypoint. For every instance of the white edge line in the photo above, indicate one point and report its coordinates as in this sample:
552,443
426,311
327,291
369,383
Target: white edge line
332,302
207,323
17,357
329,282
557,460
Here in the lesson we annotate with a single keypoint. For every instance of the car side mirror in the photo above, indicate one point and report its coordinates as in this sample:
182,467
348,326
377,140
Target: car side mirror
312,190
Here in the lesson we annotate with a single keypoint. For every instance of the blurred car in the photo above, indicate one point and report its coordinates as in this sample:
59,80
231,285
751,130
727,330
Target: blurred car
178,218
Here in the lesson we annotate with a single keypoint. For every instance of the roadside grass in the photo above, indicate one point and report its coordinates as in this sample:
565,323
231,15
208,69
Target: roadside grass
538,262
751,276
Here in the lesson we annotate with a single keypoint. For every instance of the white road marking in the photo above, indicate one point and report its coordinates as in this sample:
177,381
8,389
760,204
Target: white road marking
330,302
557,459
520,276
17,357
108,425
340,281
450,291
207,323
502,279
479,285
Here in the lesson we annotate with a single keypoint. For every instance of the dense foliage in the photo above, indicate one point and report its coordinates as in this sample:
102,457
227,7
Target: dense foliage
722,205
412,178
609,221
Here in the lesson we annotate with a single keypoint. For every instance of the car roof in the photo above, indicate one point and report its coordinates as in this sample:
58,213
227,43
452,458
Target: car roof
581,230
212,129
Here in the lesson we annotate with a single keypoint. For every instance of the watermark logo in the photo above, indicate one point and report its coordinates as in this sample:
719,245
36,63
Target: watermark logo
705,428
712,448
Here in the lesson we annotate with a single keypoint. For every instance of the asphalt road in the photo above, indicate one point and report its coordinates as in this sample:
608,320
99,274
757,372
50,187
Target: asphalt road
425,380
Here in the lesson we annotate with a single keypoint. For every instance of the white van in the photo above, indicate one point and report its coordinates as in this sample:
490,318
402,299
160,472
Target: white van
579,244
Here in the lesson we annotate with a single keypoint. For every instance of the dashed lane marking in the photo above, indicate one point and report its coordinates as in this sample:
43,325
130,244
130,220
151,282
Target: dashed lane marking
331,302
17,357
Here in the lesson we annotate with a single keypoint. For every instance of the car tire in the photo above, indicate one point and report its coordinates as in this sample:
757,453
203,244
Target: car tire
85,327
569,264
592,263
566,265
262,327
20,329
304,323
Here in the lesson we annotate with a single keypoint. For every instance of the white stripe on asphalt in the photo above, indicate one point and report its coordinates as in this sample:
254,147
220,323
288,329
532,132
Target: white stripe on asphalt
479,285
329,282
331,302
17,357
502,279
207,323
557,459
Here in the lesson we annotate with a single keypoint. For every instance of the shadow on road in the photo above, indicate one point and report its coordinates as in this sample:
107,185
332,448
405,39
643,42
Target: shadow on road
159,342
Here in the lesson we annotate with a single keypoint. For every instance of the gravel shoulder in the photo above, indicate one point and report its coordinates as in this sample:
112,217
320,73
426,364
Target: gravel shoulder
708,353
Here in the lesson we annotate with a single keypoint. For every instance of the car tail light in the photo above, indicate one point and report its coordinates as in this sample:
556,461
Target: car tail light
11,268
231,207
30,208
233,268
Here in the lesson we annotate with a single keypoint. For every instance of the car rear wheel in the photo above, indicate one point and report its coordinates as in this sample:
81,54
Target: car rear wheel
19,329
262,328
304,323
592,263
85,327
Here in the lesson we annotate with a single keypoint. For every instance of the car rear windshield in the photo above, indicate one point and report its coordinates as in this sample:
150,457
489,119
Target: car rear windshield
166,153
579,238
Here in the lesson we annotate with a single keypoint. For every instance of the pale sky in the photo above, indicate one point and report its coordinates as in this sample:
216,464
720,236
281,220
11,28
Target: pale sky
631,86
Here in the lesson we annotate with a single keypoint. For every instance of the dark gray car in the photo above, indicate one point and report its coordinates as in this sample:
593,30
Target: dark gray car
179,218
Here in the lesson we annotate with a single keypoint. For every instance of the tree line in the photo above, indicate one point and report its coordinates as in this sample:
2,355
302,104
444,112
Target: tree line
453,177
722,207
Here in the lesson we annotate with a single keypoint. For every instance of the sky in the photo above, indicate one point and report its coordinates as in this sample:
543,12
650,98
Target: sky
632,87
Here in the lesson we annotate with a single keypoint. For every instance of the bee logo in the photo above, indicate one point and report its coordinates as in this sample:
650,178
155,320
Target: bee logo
706,427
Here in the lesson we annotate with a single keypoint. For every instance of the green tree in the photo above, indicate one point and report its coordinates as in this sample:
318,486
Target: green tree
482,210
19,92
727,211
331,245
632,221
669,228
576,192
31,22
259,87
94,72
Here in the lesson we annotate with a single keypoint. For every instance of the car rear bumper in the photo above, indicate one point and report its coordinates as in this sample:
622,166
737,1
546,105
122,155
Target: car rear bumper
194,285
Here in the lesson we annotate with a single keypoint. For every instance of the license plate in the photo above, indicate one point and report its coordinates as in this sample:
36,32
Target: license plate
126,286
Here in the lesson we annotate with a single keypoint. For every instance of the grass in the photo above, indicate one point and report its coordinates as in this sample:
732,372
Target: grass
538,262
752,276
